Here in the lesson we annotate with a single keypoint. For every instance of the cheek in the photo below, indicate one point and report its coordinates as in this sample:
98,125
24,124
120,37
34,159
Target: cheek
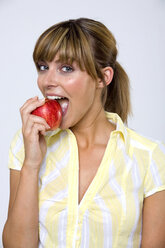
72,86
79,86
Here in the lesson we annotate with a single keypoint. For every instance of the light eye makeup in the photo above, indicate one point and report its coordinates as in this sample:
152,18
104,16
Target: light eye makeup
66,68
42,67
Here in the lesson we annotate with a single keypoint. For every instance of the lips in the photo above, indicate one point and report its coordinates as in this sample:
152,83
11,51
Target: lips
63,101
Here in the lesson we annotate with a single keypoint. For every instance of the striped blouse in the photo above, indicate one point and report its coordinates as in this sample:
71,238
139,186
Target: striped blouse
110,213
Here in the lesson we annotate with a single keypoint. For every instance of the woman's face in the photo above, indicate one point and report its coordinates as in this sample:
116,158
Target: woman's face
79,91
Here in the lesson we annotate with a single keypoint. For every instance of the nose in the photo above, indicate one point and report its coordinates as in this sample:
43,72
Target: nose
50,79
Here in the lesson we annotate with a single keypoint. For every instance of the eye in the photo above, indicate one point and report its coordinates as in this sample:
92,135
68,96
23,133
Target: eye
67,68
42,67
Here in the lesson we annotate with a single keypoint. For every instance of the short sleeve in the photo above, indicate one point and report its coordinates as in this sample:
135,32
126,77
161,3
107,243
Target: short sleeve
16,152
155,175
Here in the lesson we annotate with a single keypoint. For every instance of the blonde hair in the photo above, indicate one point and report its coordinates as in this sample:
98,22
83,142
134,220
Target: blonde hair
91,44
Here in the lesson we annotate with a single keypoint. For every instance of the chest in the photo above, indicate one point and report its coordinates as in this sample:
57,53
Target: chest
89,162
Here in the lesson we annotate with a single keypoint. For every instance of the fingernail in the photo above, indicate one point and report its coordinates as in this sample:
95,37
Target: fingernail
42,100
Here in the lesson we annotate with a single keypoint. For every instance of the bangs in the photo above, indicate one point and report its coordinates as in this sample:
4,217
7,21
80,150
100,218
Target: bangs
69,43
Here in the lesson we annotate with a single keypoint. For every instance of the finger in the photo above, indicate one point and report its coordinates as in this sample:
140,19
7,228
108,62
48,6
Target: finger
31,132
43,133
38,129
26,104
29,107
28,101
36,119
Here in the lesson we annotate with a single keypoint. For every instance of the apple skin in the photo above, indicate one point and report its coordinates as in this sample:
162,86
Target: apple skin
51,111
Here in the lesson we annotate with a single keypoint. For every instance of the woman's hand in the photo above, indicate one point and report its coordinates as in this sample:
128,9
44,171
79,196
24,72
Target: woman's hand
33,129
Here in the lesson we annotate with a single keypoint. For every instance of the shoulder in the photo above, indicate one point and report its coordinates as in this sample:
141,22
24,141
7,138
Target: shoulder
144,143
147,152
134,141
51,137
149,155
56,140
16,151
17,141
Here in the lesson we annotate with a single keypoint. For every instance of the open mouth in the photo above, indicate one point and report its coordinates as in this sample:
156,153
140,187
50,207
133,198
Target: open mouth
63,101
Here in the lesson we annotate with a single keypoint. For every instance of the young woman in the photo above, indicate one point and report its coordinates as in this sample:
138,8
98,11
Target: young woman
93,182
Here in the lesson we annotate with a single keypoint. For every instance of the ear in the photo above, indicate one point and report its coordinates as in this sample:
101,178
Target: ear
108,76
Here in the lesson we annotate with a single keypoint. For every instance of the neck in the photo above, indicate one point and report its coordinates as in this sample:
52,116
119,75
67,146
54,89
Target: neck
95,132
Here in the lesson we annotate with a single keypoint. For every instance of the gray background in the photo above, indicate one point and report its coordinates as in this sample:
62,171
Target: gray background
139,28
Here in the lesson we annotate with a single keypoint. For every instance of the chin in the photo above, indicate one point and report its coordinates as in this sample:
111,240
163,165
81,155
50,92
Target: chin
64,125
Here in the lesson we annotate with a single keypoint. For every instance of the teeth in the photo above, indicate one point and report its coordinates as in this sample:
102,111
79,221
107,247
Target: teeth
55,97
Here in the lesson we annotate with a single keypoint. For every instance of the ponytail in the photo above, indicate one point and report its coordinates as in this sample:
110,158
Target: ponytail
118,94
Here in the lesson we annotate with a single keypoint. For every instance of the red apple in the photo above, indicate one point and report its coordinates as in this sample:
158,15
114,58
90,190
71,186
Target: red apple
51,111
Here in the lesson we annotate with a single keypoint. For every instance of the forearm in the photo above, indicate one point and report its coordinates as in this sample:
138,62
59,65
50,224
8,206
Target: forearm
21,229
